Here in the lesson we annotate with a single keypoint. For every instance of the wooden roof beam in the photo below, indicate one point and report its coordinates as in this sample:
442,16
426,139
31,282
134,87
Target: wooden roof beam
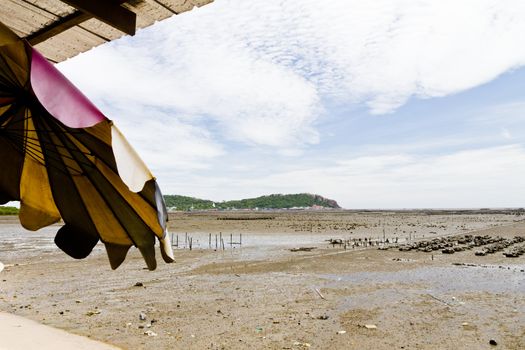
108,12
57,27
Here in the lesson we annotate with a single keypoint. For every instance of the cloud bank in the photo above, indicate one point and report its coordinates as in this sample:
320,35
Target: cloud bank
229,100
261,70
484,177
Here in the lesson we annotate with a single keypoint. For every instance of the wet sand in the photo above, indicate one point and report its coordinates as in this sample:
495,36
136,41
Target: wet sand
262,296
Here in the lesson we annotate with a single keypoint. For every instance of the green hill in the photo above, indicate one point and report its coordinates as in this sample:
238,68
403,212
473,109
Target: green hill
273,201
8,210
187,203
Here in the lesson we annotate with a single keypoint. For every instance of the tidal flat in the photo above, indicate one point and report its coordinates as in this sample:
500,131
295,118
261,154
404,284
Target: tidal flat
261,295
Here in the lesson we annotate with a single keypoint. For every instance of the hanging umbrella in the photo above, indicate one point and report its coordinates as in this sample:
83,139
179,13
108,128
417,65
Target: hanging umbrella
64,160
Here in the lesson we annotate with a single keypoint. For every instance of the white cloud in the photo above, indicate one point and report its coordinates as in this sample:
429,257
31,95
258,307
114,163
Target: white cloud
261,68
264,74
505,133
487,177
167,142
508,113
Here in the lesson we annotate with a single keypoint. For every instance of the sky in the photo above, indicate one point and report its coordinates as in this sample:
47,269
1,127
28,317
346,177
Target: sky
376,104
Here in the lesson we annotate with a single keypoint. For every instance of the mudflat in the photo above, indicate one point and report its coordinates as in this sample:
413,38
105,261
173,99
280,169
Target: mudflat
261,295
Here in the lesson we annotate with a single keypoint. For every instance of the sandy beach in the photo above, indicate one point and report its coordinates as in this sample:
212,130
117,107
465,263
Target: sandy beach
260,295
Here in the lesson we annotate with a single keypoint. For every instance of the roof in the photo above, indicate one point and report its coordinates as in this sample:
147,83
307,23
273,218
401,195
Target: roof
61,29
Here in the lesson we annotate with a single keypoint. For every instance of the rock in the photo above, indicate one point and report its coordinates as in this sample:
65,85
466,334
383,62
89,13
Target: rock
139,284
341,332
142,316
493,342
323,317
302,345
302,249
370,326
150,333
92,313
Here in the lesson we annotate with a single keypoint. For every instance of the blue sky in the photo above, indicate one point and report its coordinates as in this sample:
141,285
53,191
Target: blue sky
383,104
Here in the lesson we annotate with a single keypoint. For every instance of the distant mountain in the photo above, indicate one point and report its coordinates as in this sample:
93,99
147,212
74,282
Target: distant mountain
8,210
186,203
273,201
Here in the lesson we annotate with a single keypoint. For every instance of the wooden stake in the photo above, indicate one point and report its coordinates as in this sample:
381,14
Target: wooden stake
319,293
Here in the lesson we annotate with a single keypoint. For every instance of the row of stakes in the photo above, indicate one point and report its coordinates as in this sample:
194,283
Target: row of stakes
219,241
221,244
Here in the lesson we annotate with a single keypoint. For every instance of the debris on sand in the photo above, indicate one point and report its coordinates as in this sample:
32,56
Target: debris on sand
319,293
302,345
335,241
450,245
150,333
515,252
303,249
370,326
438,299
93,312
341,332
142,316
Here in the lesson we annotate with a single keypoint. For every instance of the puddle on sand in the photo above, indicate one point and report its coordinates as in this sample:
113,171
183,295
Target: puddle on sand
493,279
15,241
284,240
443,283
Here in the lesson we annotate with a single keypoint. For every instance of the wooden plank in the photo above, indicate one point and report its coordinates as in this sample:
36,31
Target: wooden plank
108,12
57,27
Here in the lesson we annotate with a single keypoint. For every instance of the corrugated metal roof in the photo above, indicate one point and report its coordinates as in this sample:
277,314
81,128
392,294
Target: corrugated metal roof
67,30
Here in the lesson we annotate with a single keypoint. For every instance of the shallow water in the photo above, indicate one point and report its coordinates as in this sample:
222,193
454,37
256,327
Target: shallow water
17,242
283,240
491,278
14,239
442,285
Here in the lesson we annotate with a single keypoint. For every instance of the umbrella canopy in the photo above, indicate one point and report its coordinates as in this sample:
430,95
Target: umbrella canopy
63,159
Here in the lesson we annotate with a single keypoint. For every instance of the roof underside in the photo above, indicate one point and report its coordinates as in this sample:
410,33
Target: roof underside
61,29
